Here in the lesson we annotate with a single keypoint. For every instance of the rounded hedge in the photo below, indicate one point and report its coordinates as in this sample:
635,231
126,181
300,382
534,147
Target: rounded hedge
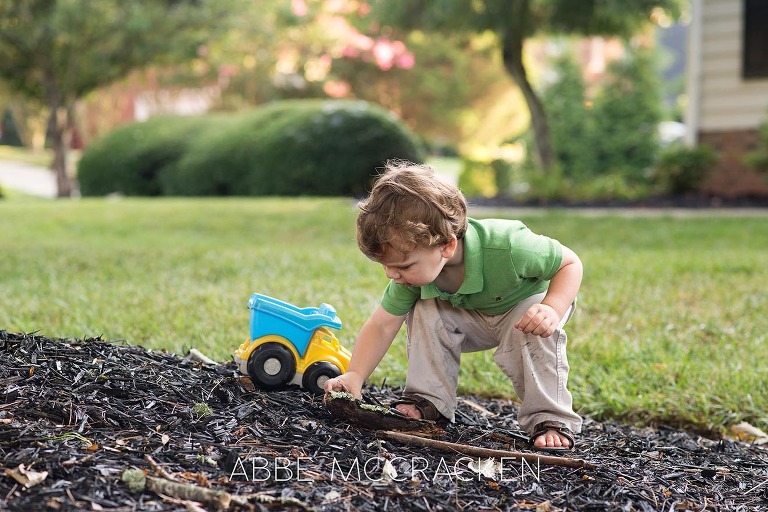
130,159
294,147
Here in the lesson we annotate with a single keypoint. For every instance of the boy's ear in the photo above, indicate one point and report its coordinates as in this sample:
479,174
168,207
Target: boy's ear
449,248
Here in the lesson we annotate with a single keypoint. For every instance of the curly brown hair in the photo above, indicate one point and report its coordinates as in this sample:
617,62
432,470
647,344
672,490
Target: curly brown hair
409,207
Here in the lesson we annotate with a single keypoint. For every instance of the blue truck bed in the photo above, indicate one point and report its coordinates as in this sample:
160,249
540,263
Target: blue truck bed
274,316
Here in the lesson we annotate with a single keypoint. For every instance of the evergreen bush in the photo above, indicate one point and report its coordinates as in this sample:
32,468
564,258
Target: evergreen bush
681,169
570,121
131,159
9,133
477,179
296,147
293,147
758,159
627,111
613,130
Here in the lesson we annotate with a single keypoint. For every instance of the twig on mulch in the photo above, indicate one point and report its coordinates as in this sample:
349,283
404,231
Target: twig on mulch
477,451
162,472
137,481
389,425
199,356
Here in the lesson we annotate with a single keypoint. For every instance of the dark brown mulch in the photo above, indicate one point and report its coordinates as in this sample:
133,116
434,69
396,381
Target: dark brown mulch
84,411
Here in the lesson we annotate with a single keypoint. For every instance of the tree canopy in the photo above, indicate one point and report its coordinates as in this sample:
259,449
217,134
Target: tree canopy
56,51
513,21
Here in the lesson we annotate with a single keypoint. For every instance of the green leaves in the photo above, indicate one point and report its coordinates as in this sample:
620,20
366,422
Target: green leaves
66,48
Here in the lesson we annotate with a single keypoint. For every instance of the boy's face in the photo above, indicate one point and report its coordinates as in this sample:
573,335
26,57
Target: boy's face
418,267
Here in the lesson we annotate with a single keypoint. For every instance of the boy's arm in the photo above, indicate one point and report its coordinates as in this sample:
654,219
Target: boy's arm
372,343
542,319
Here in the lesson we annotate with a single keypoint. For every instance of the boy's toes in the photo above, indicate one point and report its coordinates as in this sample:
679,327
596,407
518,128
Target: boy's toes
409,410
552,436
552,439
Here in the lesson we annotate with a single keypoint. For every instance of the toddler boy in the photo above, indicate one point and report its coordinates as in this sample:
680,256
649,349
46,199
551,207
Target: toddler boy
463,285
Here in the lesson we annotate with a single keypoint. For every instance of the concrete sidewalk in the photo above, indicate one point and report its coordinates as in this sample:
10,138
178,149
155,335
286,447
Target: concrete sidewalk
27,178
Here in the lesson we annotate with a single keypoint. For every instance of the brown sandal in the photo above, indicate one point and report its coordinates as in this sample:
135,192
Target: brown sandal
427,409
541,428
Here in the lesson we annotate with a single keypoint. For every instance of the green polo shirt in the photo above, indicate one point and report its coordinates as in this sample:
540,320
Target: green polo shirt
504,263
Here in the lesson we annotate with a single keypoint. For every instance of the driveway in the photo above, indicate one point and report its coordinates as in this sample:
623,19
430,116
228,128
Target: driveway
27,178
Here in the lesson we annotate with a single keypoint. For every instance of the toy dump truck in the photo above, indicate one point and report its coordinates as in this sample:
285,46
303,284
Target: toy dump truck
291,345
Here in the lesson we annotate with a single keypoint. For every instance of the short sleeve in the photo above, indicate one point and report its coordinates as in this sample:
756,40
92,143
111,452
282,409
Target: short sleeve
398,299
537,256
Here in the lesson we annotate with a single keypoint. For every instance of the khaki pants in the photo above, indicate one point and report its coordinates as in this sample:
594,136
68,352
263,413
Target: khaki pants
438,333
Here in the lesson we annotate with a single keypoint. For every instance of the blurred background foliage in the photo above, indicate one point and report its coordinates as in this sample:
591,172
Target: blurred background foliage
490,88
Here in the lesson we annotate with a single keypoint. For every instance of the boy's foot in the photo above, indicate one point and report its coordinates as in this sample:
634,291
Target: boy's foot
552,439
409,410
552,436
419,408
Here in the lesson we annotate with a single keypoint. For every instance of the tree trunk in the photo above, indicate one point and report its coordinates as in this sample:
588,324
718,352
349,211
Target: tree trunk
58,131
512,53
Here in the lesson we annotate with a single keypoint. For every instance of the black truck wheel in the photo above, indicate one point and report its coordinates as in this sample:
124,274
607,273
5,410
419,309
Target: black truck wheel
271,366
317,374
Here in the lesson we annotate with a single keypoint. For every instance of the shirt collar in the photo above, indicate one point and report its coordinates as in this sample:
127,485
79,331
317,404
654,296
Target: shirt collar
473,268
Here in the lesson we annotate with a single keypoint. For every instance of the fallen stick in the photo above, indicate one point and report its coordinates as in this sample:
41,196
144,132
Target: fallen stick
219,499
137,481
476,451
162,472
199,356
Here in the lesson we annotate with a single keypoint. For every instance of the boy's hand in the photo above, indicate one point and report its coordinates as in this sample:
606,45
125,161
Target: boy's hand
350,382
540,319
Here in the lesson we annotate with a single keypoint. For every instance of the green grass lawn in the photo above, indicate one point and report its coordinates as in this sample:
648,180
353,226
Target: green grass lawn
671,326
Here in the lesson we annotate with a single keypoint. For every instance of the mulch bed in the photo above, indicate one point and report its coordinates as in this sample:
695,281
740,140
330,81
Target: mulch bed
76,414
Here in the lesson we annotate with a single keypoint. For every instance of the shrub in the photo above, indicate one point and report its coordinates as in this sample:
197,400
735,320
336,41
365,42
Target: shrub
292,147
612,130
477,179
219,163
570,121
545,187
758,159
130,159
502,173
682,169
9,134
296,147
627,111
609,187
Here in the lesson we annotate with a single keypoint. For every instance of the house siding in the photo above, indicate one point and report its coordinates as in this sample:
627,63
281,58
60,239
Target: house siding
729,108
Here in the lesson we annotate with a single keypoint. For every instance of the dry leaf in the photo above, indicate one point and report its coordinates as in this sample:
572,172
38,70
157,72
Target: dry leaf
489,468
332,496
389,471
749,433
26,477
